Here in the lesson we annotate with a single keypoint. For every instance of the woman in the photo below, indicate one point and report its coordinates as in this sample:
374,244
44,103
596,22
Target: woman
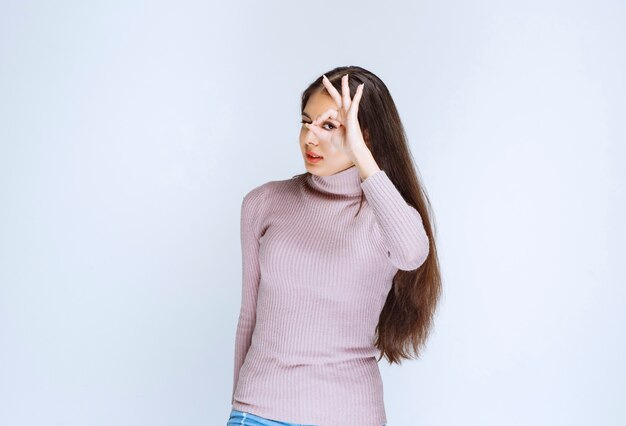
339,265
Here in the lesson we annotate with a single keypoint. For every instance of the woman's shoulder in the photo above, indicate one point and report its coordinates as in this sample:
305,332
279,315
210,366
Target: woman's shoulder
266,192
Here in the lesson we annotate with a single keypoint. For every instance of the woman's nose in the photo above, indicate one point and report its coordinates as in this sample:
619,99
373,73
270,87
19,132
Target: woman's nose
311,139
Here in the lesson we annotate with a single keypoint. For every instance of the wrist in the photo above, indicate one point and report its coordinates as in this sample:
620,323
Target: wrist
365,162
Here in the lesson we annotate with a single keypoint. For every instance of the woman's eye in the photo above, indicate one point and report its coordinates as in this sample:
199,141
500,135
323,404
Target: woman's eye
325,123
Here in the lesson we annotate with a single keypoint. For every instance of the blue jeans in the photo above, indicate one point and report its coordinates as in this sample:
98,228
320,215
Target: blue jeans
241,418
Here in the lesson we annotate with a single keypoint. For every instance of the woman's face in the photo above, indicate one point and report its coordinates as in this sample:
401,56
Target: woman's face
333,160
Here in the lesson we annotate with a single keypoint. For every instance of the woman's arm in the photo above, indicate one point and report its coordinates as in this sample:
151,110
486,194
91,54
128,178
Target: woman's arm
403,232
251,219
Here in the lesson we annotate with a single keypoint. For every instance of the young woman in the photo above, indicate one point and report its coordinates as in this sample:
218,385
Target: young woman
339,265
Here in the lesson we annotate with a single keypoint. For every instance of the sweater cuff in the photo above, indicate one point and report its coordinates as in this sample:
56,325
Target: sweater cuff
377,181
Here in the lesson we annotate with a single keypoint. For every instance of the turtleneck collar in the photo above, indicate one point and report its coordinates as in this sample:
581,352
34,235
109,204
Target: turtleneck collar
345,182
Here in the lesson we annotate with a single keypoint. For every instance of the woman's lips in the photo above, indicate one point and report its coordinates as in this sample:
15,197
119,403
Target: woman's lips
312,159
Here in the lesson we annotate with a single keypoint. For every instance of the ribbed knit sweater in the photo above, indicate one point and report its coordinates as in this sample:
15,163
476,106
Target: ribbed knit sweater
315,279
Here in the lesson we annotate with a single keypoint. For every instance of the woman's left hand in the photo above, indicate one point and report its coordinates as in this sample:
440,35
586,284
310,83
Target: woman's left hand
346,136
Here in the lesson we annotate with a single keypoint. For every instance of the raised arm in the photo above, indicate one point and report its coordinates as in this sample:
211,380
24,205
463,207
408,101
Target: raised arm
403,232
252,208
401,224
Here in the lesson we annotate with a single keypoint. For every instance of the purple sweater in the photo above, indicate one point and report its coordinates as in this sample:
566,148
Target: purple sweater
315,279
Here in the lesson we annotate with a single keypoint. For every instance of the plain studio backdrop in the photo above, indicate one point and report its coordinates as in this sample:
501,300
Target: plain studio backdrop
130,131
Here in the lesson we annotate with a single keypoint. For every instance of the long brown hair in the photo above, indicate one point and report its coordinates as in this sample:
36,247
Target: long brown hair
407,316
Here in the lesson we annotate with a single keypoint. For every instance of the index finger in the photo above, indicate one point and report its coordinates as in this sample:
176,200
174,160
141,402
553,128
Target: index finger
330,113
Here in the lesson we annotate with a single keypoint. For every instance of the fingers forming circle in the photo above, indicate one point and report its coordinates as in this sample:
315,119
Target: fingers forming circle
343,101
329,113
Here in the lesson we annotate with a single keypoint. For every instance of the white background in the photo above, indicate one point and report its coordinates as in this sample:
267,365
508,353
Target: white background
130,131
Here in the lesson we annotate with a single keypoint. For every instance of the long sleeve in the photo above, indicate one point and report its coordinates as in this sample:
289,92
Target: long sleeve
252,208
401,224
